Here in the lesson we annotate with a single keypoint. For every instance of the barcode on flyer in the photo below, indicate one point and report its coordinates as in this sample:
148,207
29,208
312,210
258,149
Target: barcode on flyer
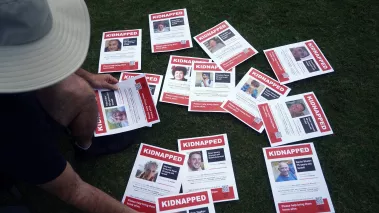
246,50
132,63
278,134
285,75
138,86
225,189
257,120
319,201
183,42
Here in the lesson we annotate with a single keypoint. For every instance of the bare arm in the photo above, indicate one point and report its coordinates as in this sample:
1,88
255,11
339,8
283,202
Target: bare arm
70,188
102,81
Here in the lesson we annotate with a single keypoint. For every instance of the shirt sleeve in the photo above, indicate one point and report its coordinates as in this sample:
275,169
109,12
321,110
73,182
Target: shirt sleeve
30,154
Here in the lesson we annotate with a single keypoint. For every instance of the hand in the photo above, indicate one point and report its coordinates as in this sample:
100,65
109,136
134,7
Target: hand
101,81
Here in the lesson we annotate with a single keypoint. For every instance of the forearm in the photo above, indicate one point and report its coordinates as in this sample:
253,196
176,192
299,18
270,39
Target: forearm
92,200
84,74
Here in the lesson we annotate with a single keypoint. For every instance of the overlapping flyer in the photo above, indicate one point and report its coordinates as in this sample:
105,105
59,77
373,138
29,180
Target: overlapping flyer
294,118
297,182
225,46
297,61
209,87
120,51
156,172
128,108
153,80
176,86
194,202
254,87
209,166
169,31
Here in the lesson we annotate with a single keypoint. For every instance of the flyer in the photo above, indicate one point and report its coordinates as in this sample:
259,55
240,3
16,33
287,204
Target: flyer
195,202
297,61
294,118
254,87
154,82
176,86
156,172
209,87
128,108
225,46
209,166
120,51
170,31
297,182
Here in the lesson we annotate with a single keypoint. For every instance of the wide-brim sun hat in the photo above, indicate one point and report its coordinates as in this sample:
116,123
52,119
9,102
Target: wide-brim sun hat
41,42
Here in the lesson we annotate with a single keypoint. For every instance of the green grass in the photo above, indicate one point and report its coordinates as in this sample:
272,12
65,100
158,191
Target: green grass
347,33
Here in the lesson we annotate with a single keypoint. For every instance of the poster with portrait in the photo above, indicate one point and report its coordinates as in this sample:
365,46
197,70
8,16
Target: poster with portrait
255,87
294,118
225,46
194,202
297,182
209,87
154,82
120,51
209,166
297,61
169,31
128,108
176,86
156,172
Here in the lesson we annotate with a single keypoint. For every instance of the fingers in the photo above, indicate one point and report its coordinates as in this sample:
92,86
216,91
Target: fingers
110,86
111,79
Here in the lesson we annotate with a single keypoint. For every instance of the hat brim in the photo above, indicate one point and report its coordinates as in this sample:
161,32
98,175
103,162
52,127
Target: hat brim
52,58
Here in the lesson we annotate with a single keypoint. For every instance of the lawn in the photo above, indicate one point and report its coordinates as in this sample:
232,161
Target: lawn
347,33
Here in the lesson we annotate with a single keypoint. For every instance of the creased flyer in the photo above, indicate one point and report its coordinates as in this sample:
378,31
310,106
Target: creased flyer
195,202
156,172
120,51
209,166
128,108
209,87
176,86
153,80
254,87
225,46
297,61
297,182
170,31
294,118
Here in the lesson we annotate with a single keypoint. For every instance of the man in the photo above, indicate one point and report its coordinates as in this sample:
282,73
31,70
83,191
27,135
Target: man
113,45
214,45
150,171
117,117
296,109
299,53
206,82
43,88
179,72
195,161
161,28
285,173
251,89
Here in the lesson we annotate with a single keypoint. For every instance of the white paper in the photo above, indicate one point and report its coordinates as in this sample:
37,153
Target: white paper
128,108
297,61
209,87
156,172
225,46
169,31
120,51
296,178
194,202
255,87
176,86
209,166
154,81
294,118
